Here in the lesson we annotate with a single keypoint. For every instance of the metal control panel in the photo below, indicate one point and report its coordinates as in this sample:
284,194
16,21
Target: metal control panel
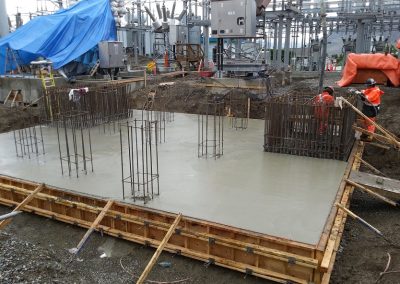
178,34
111,54
233,18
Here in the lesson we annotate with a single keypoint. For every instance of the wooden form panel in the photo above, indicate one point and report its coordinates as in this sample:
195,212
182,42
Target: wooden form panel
252,253
332,235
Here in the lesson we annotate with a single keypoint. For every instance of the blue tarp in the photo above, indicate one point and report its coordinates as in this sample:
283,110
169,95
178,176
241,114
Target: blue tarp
62,36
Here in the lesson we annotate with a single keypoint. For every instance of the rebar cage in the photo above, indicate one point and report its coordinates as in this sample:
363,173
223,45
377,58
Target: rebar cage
29,141
210,128
301,125
74,143
103,104
238,111
139,159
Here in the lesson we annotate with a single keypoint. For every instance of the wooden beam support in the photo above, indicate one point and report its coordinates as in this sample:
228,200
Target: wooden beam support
92,227
387,133
336,229
160,248
228,86
383,185
371,167
377,137
358,218
21,205
363,188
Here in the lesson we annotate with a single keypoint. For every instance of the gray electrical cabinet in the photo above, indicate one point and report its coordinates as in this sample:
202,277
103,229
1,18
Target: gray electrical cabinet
111,54
177,34
233,18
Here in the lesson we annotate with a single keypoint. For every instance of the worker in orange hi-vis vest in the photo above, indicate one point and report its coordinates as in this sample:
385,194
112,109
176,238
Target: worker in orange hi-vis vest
371,98
323,102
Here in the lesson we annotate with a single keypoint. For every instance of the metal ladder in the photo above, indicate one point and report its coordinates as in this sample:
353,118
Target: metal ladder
47,82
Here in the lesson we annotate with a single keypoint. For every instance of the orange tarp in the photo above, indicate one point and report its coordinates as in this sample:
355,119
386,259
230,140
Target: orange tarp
388,64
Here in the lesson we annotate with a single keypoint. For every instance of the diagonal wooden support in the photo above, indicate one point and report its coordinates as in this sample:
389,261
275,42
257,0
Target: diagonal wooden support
394,140
160,248
379,138
22,204
371,167
363,188
92,227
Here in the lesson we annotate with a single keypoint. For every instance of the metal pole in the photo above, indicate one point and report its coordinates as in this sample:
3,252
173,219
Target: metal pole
287,42
206,32
279,52
324,45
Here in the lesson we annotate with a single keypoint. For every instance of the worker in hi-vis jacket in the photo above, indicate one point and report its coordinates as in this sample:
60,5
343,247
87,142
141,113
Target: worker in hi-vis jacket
323,102
371,97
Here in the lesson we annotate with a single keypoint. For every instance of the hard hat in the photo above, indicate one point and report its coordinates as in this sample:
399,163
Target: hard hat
329,89
370,82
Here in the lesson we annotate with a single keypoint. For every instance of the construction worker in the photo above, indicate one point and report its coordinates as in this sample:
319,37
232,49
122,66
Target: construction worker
371,98
323,101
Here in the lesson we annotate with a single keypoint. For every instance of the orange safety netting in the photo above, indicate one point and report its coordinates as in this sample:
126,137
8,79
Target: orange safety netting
388,64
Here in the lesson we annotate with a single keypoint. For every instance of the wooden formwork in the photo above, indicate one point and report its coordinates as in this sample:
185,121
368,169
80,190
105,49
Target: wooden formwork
268,257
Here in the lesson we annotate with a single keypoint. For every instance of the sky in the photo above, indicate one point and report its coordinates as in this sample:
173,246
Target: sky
32,6
25,7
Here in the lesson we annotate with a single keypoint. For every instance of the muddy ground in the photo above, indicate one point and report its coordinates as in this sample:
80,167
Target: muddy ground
16,118
35,249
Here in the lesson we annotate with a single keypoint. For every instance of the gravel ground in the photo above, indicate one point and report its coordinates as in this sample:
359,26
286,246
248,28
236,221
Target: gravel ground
28,255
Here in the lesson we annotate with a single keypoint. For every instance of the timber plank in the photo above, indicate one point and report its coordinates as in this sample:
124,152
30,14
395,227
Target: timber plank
160,248
388,185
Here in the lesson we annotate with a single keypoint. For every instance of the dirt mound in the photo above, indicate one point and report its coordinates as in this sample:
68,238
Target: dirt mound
16,118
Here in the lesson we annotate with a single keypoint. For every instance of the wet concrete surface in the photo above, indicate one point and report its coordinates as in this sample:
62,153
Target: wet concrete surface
280,195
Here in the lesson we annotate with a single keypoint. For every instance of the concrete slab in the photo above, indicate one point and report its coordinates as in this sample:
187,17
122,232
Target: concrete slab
281,195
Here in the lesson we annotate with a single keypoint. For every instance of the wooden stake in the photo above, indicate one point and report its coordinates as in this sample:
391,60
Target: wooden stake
363,188
160,248
93,227
371,167
358,218
32,103
378,137
22,204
